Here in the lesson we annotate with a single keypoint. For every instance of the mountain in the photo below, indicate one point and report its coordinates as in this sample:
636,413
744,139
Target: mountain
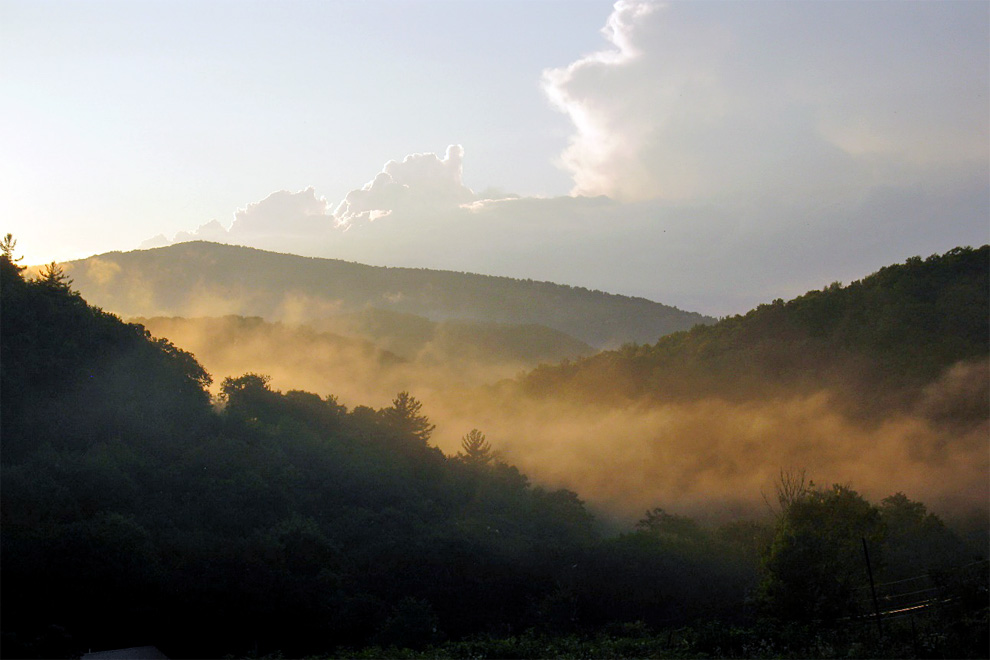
208,279
892,332
133,509
478,342
288,525
366,355
62,360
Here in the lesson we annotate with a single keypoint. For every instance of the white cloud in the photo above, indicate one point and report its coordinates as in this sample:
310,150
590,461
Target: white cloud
716,255
420,183
284,213
693,100
284,220
211,231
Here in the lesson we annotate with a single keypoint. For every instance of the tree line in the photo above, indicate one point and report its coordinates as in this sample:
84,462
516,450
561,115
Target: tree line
876,341
135,509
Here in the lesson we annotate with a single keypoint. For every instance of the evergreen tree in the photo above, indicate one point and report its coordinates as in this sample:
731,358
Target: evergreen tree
8,262
53,277
476,448
405,416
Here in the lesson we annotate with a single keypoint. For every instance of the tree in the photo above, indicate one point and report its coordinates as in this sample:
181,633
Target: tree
790,486
917,541
53,277
7,246
476,448
405,417
8,263
816,561
248,396
665,525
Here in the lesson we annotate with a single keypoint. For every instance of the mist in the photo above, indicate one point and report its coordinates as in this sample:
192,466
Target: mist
708,457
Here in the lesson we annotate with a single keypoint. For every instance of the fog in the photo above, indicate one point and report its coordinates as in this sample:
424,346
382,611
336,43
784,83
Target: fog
710,458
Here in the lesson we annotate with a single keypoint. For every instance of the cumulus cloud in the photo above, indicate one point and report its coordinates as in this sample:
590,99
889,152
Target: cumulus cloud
283,221
211,231
715,255
695,99
284,213
421,182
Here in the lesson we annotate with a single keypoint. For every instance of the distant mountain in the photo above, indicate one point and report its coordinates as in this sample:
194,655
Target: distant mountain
457,341
209,279
365,355
877,339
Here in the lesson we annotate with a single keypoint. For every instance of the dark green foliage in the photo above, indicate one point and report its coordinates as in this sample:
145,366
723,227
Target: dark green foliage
670,571
890,332
62,360
917,542
816,561
815,568
134,512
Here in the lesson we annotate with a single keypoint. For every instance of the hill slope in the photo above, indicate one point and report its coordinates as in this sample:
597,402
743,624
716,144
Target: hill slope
135,512
366,356
895,330
207,279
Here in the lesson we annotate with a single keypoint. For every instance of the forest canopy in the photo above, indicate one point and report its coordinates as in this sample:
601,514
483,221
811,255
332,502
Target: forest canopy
135,509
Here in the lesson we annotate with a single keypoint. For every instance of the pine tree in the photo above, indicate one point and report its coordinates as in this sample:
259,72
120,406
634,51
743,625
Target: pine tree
476,448
406,417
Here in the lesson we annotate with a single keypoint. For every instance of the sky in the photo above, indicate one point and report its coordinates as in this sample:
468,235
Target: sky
709,155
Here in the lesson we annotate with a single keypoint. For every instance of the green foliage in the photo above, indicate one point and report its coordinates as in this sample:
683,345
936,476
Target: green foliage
286,524
279,521
248,396
816,561
891,332
917,542
668,526
73,375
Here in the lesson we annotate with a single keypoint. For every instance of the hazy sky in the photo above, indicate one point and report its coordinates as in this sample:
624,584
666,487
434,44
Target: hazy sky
711,155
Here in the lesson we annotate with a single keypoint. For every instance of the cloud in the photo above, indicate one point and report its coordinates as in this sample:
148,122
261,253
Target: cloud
716,255
697,100
211,231
284,213
421,182
282,221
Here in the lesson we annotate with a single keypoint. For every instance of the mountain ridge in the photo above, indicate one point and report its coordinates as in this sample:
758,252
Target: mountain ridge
894,331
210,279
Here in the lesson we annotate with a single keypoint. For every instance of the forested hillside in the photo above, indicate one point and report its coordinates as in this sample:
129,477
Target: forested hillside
367,355
208,279
134,511
879,339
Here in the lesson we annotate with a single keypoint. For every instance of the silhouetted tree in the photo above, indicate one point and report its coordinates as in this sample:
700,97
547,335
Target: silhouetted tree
917,541
405,416
816,560
476,448
8,262
7,246
53,277
248,396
